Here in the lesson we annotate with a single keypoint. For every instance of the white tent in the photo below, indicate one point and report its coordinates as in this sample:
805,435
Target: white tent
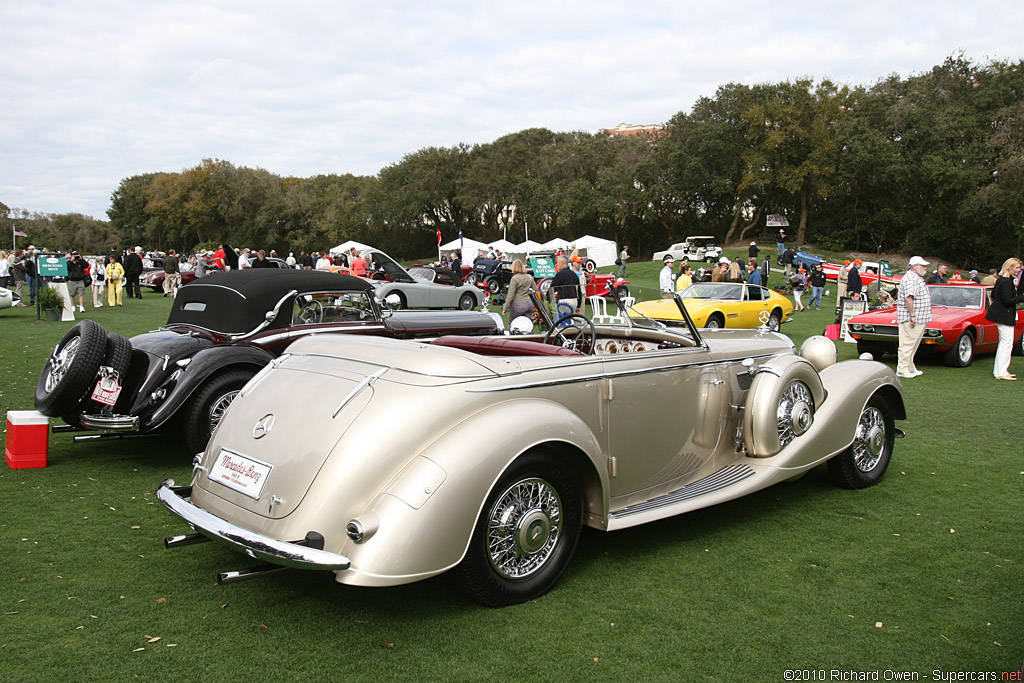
528,246
557,243
603,252
345,246
502,245
470,248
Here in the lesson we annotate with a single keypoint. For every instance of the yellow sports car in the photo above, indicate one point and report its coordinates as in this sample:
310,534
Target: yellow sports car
721,304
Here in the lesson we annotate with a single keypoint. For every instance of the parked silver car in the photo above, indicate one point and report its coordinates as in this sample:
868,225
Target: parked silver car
391,461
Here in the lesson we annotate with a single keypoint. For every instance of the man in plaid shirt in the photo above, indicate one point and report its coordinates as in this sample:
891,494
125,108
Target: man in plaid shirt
913,312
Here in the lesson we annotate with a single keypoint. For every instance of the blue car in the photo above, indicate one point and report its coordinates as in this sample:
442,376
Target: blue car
806,260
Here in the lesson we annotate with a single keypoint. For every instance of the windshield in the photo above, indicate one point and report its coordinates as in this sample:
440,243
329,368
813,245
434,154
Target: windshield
726,291
956,297
422,273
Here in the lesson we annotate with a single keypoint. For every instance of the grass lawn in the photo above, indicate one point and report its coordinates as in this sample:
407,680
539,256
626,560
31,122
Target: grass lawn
921,572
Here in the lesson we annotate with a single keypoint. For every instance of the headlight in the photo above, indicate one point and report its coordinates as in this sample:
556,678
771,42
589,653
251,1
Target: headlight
932,332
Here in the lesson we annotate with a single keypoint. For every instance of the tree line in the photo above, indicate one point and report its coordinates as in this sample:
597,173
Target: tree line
932,163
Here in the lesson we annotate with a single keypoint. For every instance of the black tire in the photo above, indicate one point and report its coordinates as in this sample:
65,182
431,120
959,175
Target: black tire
470,279
493,285
864,463
118,357
715,321
775,321
962,352
208,404
71,369
590,266
1018,348
467,301
537,499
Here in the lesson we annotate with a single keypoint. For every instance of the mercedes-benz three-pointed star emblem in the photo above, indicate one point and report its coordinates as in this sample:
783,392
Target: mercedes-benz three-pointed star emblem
263,426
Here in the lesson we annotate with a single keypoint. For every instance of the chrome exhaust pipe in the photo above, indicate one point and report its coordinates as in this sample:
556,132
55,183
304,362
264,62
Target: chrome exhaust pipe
185,539
249,573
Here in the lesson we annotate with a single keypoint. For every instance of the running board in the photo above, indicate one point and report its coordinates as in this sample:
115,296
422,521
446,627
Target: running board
722,479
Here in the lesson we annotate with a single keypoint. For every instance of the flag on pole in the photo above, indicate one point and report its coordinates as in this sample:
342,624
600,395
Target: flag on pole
19,233
439,237
460,239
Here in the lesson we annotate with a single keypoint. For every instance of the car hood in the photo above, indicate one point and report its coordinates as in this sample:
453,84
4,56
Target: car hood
941,316
666,309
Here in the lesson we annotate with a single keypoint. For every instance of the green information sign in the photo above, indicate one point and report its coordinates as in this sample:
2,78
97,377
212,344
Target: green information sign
885,267
543,266
52,266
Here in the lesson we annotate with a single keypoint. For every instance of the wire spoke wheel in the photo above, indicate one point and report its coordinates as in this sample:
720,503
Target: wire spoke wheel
870,439
61,362
523,528
795,412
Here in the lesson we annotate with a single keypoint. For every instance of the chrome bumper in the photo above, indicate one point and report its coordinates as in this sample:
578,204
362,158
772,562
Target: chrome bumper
253,544
114,423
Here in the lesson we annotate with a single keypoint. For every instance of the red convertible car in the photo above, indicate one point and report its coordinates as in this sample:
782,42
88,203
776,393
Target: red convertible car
958,329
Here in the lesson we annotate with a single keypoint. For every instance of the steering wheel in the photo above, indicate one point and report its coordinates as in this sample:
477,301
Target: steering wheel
311,313
581,341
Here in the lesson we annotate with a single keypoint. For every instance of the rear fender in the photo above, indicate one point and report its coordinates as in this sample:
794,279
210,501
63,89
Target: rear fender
188,378
425,517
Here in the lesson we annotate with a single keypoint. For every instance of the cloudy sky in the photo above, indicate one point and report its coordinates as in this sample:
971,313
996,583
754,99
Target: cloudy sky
95,91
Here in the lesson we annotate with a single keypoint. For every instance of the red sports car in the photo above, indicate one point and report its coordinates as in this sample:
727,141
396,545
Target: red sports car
958,328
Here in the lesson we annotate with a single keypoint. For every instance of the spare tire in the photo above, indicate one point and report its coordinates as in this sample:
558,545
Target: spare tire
71,368
118,356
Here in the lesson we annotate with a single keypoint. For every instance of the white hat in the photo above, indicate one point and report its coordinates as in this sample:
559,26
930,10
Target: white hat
917,261
138,249
669,257
753,244
724,260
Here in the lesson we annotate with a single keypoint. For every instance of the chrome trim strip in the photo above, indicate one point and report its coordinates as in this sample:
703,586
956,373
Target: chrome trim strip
211,284
116,423
607,375
276,310
366,381
252,543
388,366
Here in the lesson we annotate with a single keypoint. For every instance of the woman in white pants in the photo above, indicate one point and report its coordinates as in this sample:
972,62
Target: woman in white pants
99,281
1003,312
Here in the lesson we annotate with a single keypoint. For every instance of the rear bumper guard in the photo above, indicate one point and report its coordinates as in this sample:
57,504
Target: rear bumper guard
113,423
253,544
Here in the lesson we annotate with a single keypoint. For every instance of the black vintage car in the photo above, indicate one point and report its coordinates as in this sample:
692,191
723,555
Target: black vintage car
221,331
494,274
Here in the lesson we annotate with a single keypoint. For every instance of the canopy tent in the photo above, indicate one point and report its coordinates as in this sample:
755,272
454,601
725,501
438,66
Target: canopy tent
603,252
470,248
344,247
557,243
502,245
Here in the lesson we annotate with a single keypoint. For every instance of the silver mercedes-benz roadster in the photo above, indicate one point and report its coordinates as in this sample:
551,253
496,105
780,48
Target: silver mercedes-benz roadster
390,461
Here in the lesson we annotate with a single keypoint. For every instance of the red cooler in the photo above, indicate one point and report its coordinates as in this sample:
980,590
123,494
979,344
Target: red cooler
28,437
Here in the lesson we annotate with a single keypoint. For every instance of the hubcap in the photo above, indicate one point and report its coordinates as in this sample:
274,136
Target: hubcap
795,413
870,439
523,528
965,349
60,363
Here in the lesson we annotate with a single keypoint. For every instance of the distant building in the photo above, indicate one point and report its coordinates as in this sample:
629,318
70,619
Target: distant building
648,131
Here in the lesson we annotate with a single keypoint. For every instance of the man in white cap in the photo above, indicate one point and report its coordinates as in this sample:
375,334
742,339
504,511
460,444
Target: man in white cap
913,313
718,274
665,278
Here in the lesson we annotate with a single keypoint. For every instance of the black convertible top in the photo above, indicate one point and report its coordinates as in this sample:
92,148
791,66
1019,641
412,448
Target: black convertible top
238,301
